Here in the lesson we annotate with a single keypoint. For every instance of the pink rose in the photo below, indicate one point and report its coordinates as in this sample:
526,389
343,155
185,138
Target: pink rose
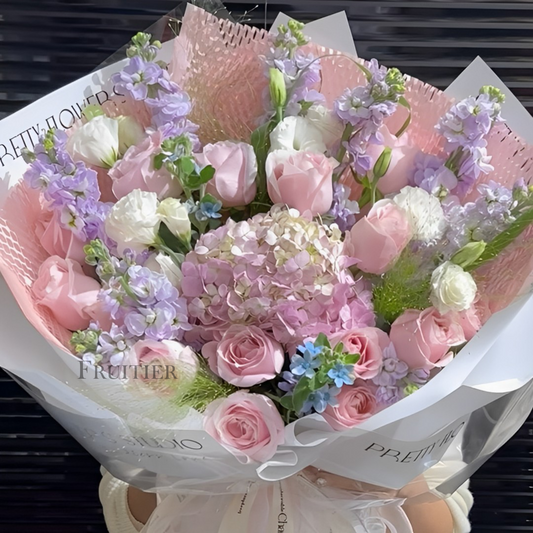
378,239
401,164
56,239
470,322
235,167
245,356
302,180
423,338
369,343
62,287
355,405
136,171
162,366
246,424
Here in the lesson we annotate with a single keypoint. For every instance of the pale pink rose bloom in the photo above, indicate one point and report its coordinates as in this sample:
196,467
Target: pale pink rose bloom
235,164
301,180
356,404
423,338
56,239
402,161
369,343
247,425
470,322
62,287
136,171
161,366
245,356
377,240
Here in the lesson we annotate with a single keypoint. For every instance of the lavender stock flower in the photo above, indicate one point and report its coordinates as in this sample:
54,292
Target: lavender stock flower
392,369
433,176
343,210
136,77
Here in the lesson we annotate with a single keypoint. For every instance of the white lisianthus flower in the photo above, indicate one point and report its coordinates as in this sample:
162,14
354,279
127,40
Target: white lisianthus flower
134,221
424,212
297,133
175,216
130,133
96,142
163,264
326,122
452,289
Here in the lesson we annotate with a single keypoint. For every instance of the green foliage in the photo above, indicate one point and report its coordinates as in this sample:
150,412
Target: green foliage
504,239
204,389
405,286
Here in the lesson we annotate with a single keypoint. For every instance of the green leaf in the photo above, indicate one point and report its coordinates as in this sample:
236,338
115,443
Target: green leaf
208,198
207,173
158,161
287,402
339,348
322,340
300,394
403,102
351,358
169,239
185,166
504,239
365,197
194,181
382,164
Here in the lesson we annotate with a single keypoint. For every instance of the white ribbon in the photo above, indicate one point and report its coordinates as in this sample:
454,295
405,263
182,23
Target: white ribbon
290,506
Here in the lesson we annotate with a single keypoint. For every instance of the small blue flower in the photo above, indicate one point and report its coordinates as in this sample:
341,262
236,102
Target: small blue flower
207,210
306,365
321,398
342,374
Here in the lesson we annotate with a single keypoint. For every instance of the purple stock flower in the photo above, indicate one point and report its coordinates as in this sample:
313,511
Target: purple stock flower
343,210
353,107
362,162
41,174
155,322
418,376
392,369
136,77
432,175
288,383
388,394
169,107
469,120
114,345
150,287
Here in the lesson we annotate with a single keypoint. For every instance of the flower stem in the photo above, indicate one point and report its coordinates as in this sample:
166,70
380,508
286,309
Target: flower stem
348,130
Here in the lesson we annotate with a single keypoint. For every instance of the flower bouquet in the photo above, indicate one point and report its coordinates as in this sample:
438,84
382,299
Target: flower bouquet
254,256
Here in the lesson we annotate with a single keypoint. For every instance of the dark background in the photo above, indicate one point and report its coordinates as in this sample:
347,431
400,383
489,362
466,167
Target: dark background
48,483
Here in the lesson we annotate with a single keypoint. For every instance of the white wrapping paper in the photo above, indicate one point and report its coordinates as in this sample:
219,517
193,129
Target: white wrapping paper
473,406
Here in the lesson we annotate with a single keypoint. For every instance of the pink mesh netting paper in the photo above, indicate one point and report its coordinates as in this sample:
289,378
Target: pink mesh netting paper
219,63
21,255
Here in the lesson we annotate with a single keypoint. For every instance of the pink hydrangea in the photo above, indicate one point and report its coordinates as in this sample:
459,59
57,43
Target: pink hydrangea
279,271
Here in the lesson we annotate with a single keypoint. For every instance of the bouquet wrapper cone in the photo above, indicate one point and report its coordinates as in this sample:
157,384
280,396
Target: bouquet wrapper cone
461,417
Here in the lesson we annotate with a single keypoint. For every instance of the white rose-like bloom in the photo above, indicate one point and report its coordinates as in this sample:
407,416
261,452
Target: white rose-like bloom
424,212
163,264
96,142
297,133
130,133
134,221
452,289
326,122
175,216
